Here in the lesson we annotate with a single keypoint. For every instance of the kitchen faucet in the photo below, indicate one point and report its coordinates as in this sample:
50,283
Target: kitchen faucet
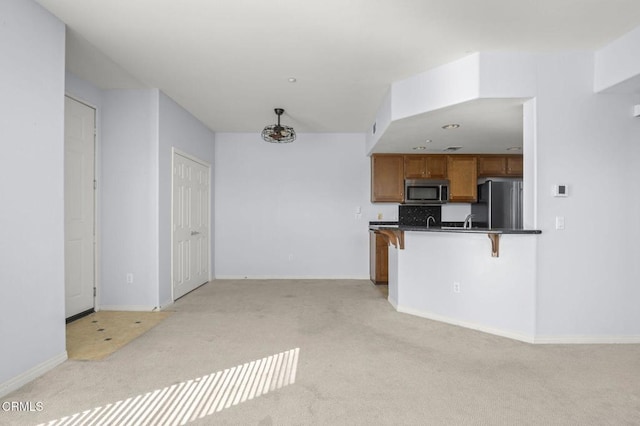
467,221
430,218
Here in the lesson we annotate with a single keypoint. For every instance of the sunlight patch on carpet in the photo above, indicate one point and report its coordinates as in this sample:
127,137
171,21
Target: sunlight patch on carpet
194,399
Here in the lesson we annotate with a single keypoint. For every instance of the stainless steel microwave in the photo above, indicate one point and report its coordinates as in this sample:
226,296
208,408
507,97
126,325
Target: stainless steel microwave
426,191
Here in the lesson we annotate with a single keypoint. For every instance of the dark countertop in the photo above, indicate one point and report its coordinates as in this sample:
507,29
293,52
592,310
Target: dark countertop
458,230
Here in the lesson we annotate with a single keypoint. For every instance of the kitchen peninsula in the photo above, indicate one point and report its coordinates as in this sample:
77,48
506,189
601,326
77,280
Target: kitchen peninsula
460,276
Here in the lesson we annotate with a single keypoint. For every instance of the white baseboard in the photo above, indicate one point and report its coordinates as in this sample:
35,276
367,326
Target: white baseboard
281,277
165,305
31,374
473,326
393,302
586,340
134,308
548,340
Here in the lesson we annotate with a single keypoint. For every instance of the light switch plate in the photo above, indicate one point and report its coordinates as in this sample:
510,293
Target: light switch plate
559,222
560,190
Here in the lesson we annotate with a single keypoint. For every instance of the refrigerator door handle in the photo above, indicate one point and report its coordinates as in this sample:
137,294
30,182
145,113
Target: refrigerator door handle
517,206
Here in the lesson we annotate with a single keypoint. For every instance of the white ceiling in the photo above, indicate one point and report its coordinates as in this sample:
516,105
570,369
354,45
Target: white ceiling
228,61
486,126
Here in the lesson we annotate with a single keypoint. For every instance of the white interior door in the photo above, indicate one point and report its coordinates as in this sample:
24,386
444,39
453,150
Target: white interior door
79,163
190,224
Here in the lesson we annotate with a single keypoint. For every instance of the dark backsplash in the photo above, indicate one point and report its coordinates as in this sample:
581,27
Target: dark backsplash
417,215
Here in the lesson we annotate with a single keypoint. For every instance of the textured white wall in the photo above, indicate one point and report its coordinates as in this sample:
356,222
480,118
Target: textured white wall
83,91
617,65
32,328
440,87
382,122
178,128
497,294
129,199
289,210
587,273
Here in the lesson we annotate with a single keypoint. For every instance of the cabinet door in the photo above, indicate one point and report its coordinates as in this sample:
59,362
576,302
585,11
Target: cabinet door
425,166
387,178
491,165
378,258
372,256
382,259
463,178
436,166
514,166
414,166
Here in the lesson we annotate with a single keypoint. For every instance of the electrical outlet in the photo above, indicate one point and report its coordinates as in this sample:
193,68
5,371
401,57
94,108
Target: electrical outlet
290,257
456,287
129,278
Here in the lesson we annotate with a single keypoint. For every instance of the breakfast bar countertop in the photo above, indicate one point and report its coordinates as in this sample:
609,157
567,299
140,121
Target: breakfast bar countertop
454,229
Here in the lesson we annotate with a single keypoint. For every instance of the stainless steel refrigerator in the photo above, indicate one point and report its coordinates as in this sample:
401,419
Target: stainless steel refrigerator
499,204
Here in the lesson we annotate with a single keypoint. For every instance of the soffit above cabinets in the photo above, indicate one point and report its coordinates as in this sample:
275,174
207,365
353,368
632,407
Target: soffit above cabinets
487,126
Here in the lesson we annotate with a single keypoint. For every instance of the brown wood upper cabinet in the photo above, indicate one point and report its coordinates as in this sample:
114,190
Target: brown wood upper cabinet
499,165
388,172
387,178
514,165
425,166
463,178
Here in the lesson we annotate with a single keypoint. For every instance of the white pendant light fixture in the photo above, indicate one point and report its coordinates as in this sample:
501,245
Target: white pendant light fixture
277,133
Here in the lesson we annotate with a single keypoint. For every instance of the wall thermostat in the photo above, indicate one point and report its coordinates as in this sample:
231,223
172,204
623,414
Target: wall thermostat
560,190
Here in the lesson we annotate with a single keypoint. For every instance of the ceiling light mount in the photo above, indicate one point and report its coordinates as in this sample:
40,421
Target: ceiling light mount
450,126
278,133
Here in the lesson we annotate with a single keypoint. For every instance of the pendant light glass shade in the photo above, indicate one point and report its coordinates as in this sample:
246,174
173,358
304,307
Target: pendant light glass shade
277,133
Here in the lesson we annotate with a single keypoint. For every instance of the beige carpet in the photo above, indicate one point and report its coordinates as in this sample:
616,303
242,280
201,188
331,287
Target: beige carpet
98,335
358,362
